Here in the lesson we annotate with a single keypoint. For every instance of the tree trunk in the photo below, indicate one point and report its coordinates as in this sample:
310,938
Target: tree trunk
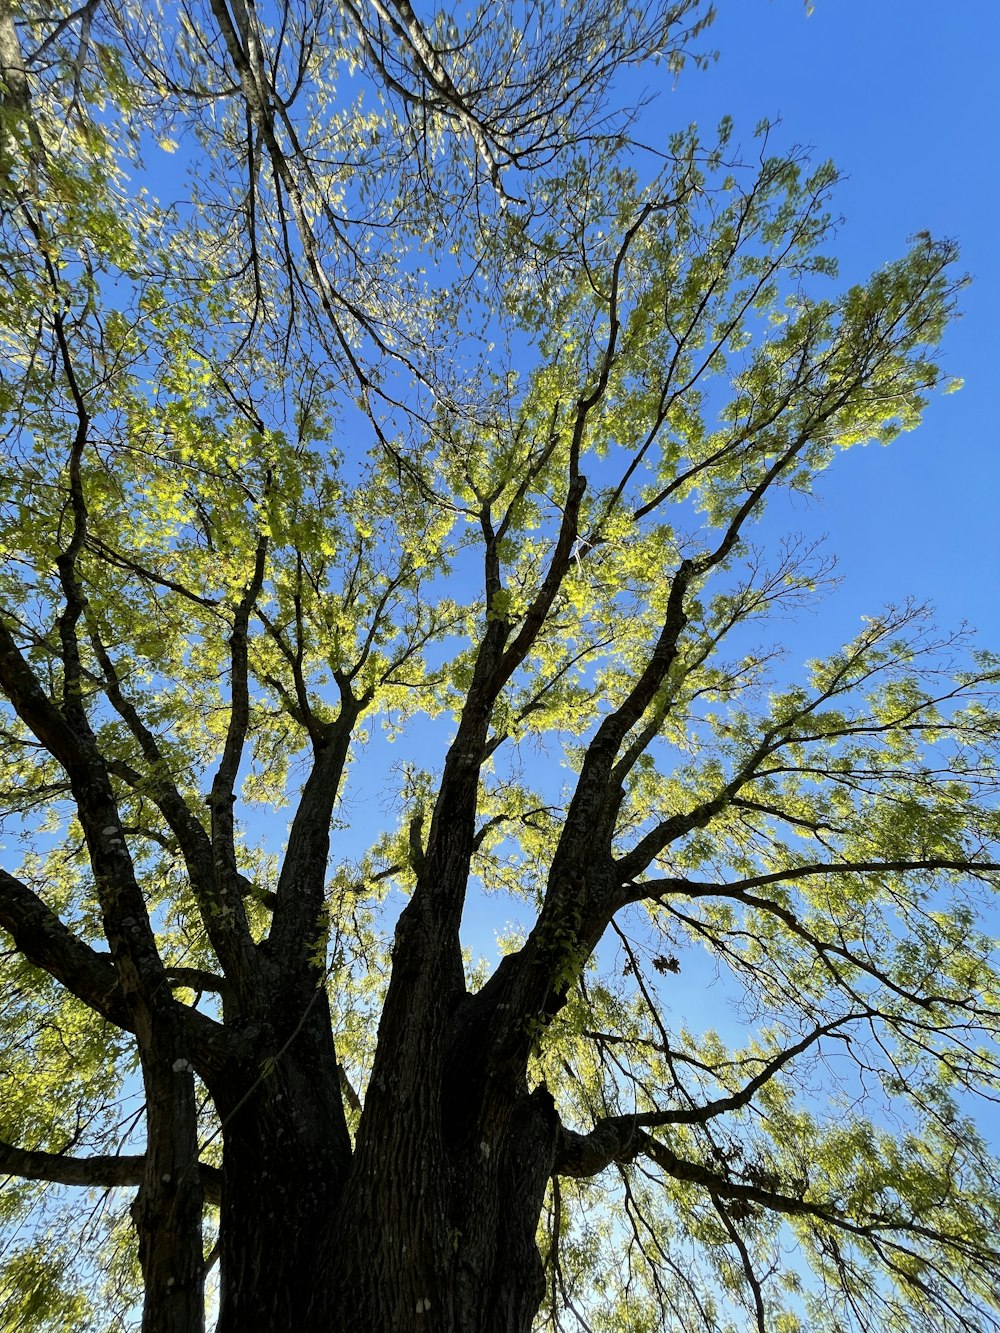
430,1223
393,1250
455,1254
276,1200
286,1153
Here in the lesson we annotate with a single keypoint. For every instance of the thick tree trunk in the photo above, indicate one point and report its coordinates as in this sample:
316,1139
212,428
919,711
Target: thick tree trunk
286,1154
452,1255
393,1250
430,1223
276,1202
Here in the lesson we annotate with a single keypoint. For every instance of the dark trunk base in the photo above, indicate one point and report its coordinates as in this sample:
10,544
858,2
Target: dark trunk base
405,1256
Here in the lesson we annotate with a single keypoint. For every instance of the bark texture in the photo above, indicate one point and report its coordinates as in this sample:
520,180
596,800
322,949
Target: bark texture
432,1226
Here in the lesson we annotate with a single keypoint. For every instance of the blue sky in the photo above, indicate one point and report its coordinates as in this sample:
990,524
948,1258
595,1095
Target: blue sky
901,94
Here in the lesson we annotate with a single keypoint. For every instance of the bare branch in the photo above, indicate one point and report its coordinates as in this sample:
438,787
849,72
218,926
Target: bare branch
97,1172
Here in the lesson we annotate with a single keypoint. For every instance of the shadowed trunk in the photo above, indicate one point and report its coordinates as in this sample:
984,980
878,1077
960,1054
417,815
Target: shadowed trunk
441,1236
455,1253
285,1156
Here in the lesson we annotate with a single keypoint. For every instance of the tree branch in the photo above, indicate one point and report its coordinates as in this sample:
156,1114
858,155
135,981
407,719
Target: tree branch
658,888
298,919
46,942
40,935
614,1138
99,1172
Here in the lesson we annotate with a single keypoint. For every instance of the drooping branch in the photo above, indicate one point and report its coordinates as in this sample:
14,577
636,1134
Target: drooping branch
656,888
767,1194
794,729
401,20
753,1188
727,1216
267,114
616,1138
826,948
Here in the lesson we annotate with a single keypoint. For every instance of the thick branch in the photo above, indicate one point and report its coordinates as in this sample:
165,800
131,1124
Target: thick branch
226,915
45,941
620,1139
617,1138
301,886
41,937
99,1172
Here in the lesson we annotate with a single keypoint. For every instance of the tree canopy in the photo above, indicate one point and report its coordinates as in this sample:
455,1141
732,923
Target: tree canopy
377,411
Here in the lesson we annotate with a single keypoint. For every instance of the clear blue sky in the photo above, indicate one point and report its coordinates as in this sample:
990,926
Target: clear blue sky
902,95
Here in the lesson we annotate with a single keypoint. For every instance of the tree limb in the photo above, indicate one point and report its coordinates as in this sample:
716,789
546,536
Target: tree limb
46,942
100,1172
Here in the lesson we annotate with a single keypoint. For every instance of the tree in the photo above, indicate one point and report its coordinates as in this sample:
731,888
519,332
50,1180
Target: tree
434,411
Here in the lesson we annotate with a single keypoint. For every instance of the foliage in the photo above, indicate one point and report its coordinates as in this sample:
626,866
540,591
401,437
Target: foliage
423,409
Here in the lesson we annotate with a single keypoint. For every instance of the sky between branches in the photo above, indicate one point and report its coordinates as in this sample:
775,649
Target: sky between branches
901,94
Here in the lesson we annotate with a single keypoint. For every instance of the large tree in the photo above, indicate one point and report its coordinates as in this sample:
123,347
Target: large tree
414,404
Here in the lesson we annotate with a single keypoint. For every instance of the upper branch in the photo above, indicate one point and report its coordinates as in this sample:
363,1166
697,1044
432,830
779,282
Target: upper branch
226,915
299,922
655,888
739,892
192,838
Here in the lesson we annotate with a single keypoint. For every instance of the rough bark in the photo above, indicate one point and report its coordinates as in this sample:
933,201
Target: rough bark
452,1252
432,1227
